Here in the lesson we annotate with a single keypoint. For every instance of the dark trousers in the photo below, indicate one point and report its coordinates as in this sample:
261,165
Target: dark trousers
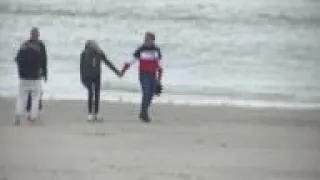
93,86
148,83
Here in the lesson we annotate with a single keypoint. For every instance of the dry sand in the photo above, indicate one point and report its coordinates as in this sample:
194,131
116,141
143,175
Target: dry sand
182,143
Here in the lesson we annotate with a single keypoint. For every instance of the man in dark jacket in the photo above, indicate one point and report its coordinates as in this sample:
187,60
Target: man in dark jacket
32,68
90,74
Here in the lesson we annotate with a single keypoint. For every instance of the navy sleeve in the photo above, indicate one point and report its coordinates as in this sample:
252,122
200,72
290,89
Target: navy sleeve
82,67
21,52
136,53
160,54
44,64
19,55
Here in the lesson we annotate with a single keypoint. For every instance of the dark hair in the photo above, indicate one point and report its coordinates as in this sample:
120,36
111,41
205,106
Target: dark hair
34,29
150,34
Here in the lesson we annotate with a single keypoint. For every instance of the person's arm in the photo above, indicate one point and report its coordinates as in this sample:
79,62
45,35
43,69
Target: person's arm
82,68
160,72
110,64
127,65
160,69
44,64
21,53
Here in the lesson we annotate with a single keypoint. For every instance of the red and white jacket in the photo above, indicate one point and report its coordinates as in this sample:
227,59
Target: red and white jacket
149,58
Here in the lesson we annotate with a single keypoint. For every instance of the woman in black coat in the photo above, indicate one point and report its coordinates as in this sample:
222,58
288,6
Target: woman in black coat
90,74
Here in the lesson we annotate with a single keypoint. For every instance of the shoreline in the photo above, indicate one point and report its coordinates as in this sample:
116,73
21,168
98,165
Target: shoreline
184,100
184,110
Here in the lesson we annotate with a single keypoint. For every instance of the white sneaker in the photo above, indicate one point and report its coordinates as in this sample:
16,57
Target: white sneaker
17,120
31,119
98,117
90,117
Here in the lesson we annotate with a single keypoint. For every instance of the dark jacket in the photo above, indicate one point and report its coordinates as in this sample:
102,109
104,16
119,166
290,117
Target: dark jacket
90,64
32,60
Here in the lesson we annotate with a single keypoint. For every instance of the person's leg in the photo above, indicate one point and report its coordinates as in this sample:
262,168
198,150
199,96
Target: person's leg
40,100
29,103
35,99
145,87
152,87
90,97
22,98
97,86
89,86
97,95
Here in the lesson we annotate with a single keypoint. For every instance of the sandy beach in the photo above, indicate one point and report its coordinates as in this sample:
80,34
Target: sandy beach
182,143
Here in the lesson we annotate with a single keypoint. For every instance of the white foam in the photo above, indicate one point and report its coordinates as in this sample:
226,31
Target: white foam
190,100
175,99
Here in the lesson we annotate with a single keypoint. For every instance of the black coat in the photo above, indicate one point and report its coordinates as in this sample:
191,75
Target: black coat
32,60
90,65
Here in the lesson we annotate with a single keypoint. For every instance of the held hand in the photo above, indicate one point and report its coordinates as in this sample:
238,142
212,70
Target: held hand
159,88
160,72
44,77
124,69
120,74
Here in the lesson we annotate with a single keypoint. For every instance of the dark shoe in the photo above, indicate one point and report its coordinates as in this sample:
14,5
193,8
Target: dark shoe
158,89
145,118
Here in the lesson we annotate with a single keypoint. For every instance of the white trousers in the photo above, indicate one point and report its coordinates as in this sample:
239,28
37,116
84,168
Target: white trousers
34,88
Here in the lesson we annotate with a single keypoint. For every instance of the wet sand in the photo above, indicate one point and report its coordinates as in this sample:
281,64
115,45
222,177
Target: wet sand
182,142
